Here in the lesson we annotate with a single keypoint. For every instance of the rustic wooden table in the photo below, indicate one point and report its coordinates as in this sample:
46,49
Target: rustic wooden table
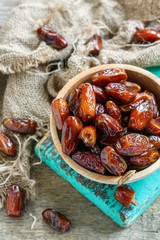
88,222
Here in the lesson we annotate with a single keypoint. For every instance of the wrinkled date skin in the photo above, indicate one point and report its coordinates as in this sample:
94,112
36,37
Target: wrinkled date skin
124,195
88,136
70,132
108,140
97,45
140,98
134,87
132,144
155,140
145,158
14,201
60,111
120,93
153,127
87,107
112,75
147,35
7,146
20,125
99,108
51,37
113,110
112,161
73,101
154,102
101,96
108,125
89,160
140,116
56,220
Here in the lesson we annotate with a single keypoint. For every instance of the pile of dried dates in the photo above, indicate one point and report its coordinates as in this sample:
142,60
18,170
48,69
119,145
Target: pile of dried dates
109,125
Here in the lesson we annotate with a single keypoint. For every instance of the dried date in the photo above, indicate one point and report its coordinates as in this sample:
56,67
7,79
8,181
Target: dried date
125,196
96,40
140,116
112,161
56,220
88,136
120,93
153,127
108,125
60,111
146,158
70,132
132,144
101,96
147,35
140,98
7,145
134,87
73,101
51,37
89,160
111,75
20,125
14,201
113,110
87,106
155,140
154,102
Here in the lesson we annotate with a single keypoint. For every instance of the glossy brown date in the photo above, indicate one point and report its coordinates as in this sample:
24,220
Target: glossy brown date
112,161
140,116
89,160
108,125
87,106
132,144
56,220
70,132
73,101
146,158
88,136
154,102
153,127
124,195
120,93
155,140
134,87
97,45
51,37
140,98
113,110
7,145
147,35
111,75
20,125
101,96
60,111
14,201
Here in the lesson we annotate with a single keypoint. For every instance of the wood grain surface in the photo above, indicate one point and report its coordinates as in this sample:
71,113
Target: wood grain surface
88,222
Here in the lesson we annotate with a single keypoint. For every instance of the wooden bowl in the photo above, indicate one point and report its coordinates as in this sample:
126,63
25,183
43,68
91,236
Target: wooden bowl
135,74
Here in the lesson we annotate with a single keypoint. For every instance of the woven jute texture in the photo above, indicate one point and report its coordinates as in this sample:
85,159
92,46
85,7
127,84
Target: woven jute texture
26,86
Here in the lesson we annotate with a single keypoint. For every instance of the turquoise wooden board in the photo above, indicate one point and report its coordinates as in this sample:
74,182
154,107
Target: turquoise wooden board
102,195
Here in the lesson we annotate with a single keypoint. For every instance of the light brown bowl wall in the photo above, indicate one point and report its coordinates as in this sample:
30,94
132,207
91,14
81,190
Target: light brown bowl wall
135,74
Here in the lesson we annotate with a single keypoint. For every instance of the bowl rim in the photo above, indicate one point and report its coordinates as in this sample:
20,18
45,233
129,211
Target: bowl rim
75,166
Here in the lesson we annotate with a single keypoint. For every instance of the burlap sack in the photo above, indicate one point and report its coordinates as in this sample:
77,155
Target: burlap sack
24,58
